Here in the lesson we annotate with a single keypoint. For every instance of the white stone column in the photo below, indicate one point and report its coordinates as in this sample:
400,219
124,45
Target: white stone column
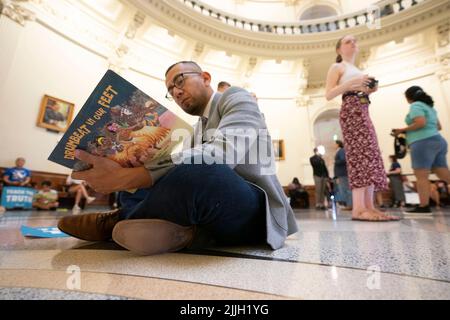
198,52
13,18
118,60
303,100
248,73
443,54
14,10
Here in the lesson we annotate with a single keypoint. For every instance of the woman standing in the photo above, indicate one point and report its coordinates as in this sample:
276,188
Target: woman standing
364,163
428,148
395,176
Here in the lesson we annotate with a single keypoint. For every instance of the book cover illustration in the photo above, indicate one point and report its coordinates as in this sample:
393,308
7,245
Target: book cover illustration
120,122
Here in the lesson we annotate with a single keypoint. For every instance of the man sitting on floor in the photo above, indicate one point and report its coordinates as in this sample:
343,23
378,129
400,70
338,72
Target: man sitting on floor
221,189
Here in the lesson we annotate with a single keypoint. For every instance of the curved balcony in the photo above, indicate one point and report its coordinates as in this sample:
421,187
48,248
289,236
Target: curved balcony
370,16
210,26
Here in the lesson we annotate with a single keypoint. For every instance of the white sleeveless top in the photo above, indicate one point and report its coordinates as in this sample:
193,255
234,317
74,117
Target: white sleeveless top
350,72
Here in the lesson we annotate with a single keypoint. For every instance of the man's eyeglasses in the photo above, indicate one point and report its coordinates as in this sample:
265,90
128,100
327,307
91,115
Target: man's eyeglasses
178,82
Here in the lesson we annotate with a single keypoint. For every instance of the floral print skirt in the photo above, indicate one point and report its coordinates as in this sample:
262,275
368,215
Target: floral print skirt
364,163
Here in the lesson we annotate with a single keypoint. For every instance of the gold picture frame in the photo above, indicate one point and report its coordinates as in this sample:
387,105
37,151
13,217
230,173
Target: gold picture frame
55,114
278,149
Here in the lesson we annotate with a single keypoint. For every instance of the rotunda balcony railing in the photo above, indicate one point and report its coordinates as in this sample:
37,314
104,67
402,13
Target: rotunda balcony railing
370,16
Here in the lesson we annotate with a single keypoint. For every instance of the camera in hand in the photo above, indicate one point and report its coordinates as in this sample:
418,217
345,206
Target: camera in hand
373,83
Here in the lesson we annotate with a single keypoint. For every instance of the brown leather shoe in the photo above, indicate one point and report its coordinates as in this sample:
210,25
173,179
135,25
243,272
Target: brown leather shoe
91,226
152,236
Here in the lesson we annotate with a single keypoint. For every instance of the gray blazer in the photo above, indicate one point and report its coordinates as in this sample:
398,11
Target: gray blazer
235,132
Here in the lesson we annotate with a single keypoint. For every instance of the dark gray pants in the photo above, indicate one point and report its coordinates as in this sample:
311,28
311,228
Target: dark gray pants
321,184
397,188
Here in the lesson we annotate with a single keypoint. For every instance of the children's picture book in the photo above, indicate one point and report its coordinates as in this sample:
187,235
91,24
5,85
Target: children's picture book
122,123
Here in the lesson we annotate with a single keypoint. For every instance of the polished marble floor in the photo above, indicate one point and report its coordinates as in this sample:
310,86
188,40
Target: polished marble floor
332,257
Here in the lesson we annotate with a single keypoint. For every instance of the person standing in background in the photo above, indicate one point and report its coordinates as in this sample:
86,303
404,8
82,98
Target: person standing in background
321,177
428,148
395,176
297,192
340,171
364,163
46,198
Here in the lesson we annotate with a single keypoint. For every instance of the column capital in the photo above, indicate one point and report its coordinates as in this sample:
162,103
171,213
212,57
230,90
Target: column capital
16,12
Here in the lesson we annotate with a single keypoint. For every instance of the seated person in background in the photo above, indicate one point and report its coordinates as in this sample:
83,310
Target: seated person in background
17,176
411,195
439,193
46,198
79,188
434,194
444,192
379,200
395,177
297,192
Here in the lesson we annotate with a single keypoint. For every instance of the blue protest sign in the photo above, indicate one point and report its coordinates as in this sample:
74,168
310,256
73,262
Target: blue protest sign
17,197
42,232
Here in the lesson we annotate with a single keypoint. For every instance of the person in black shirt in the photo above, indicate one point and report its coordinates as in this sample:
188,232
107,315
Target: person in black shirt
321,177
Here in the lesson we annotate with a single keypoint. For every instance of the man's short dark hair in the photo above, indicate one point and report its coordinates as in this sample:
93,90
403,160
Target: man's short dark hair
46,183
223,84
192,63
315,150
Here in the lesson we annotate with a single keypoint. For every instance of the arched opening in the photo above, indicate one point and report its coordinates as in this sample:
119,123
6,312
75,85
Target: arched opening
326,130
318,12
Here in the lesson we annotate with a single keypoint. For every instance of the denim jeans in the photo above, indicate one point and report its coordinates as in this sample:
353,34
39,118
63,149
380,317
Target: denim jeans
344,190
429,153
216,199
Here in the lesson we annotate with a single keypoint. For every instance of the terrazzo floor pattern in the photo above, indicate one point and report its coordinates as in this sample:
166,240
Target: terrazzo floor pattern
331,257
416,246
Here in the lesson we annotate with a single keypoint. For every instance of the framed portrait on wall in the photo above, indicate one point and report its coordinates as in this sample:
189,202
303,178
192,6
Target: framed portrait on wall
55,114
278,149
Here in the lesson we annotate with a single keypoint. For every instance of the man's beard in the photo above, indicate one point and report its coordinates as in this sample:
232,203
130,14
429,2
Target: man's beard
194,109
